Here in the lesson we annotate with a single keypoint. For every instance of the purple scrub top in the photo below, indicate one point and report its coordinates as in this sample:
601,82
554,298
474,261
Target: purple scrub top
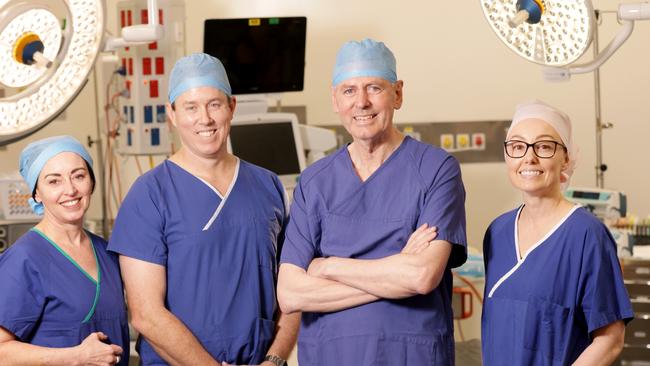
334,213
220,254
47,300
541,308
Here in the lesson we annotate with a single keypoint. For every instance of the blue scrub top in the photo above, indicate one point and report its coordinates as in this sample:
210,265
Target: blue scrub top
220,254
542,309
334,213
48,300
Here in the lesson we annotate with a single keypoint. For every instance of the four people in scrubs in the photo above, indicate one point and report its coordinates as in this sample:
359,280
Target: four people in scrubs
554,292
61,296
199,238
360,259
375,229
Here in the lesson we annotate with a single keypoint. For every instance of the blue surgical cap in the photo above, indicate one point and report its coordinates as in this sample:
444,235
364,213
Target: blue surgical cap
197,70
34,157
365,58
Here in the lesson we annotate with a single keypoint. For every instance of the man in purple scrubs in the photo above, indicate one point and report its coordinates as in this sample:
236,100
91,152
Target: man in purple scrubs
362,258
198,238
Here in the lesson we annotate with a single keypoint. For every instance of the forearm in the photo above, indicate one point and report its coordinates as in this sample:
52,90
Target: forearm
298,291
16,353
598,353
392,277
285,335
171,339
605,347
396,276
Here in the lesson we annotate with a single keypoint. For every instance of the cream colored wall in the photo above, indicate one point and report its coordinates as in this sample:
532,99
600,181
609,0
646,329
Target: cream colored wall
455,69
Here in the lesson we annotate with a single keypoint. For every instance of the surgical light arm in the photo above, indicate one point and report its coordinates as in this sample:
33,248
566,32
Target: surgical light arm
627,14
140,33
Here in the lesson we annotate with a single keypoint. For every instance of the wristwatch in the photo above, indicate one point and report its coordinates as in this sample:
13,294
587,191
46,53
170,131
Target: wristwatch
277,361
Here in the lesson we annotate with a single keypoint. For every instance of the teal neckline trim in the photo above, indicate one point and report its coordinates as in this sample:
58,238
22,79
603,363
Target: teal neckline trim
99,270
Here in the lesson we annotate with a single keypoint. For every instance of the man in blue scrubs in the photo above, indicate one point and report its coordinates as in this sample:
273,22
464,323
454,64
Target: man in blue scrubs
198,238
360,259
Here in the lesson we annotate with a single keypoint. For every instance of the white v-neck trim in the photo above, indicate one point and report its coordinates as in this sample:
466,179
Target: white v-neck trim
520,260
223,198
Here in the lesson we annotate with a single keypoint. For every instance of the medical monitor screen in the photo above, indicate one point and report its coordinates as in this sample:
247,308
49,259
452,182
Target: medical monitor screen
269,145
261,55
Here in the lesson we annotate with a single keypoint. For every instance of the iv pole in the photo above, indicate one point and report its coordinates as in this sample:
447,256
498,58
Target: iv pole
600,167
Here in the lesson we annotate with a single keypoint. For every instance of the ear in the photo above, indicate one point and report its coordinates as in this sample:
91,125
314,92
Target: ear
170,113
37,197
335,104
399,94
233,104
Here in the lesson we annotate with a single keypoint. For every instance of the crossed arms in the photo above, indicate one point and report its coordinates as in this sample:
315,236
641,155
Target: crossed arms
332,284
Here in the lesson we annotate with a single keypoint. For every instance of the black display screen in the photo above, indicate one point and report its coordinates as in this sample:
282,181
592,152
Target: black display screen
261,55
588,195
269,145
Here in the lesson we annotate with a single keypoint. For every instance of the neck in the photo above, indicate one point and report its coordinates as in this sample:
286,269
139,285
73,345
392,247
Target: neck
375,151
202,166
62,233
542,206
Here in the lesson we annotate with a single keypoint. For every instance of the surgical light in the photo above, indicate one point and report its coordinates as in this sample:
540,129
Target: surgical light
47,50
552,33
555,33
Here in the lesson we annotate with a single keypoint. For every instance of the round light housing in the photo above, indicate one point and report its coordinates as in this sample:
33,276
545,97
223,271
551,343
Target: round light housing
60,41
561,36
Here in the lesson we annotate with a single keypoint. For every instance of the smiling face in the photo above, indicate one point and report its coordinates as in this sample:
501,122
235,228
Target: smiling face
534,176
65,186
366,105
202,118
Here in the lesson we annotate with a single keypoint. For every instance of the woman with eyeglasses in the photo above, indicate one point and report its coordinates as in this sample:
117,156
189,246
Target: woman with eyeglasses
554,292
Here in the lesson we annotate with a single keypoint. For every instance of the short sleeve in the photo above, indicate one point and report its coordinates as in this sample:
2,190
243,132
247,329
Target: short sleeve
139,226
285,216
604,298
299,244
444,207
21,299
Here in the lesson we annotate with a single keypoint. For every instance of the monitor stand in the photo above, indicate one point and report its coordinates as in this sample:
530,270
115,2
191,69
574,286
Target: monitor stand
246,104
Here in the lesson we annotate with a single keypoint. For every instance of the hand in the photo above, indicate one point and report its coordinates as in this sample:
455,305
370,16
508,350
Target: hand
317,267
265,363
420,239
94,352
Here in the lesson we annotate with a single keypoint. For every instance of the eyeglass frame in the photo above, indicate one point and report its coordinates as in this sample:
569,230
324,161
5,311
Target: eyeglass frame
505,148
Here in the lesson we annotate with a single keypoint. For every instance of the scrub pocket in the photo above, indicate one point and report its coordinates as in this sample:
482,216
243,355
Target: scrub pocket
349,237
239,347
57,337
547,328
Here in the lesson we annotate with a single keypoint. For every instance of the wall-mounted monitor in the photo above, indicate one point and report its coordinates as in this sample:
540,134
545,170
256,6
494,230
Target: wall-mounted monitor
272,141
261,55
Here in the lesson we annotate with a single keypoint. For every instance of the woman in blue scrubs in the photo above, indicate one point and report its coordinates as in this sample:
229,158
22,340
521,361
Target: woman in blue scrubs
554,292
62,301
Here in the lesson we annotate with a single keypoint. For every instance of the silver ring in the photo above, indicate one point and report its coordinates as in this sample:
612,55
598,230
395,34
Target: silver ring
117,360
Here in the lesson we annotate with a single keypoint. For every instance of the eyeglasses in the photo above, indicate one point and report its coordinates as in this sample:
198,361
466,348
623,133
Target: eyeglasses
543,149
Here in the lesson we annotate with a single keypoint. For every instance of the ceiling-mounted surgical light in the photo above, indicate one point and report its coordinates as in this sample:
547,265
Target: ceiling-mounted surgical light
47,49
551,33
556,33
